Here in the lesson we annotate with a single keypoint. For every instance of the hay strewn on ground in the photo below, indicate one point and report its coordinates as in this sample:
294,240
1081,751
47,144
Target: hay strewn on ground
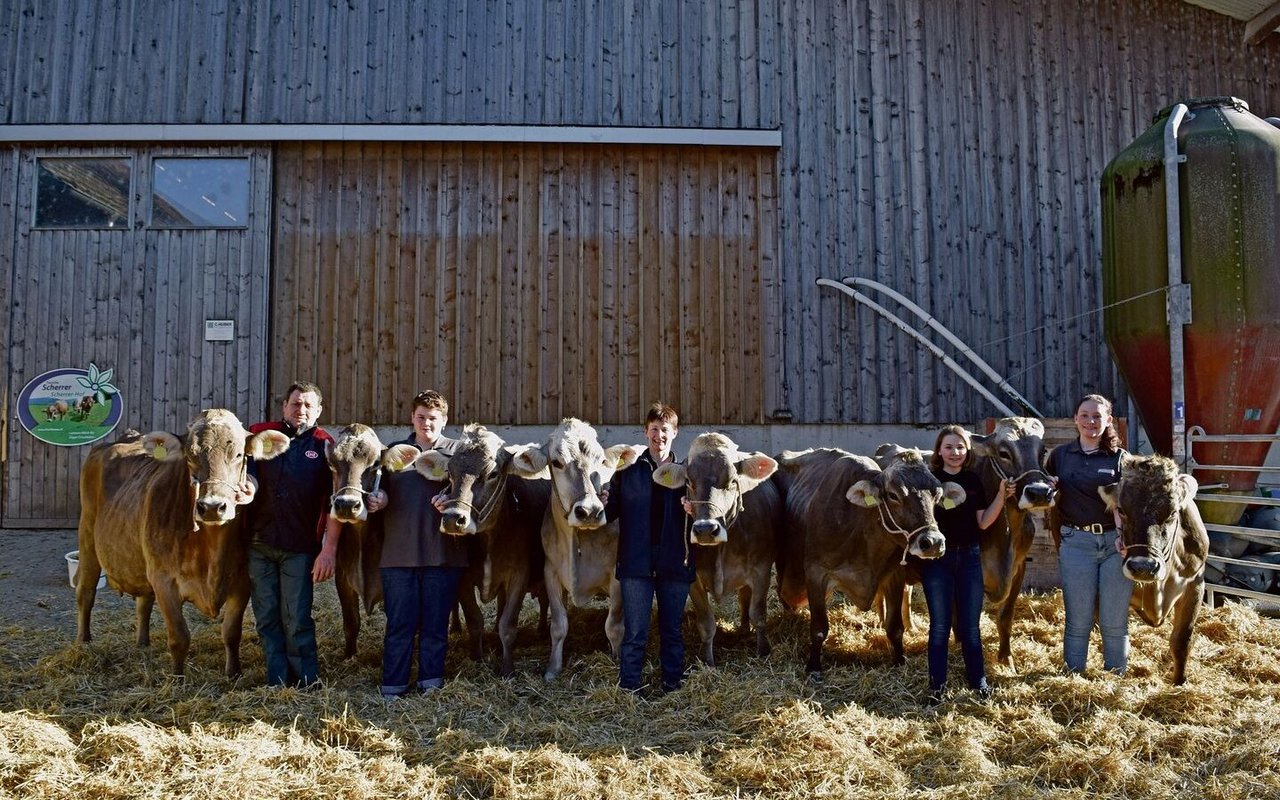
106,720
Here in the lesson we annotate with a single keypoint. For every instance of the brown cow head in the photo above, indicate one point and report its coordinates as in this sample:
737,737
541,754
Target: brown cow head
904,494
1151,496
578,467
716,475
355,458
477,474
1015,451
215,448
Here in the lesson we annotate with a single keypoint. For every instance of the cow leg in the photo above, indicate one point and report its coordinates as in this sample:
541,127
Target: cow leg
1004,620
559,629
1185,614
86,588
894,593
744,609
759,610
508,618
349,602
175,626
474,617
613,627
704,617
232,629
906,608
818,624
142,605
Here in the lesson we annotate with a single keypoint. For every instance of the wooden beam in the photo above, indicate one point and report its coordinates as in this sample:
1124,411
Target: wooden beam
1262,25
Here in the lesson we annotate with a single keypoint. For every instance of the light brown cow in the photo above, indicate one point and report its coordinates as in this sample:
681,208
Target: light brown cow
56,410
849,525
1165,547
737,514
504,513
158,513
581,550
357,459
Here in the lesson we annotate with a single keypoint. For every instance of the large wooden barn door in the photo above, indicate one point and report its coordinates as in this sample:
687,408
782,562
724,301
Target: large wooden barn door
528,282
120,258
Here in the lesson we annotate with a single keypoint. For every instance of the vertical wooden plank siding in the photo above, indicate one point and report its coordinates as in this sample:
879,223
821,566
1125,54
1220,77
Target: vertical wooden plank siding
555,280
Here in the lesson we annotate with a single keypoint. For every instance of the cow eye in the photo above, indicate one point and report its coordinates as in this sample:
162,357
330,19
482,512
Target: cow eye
557,463
491,477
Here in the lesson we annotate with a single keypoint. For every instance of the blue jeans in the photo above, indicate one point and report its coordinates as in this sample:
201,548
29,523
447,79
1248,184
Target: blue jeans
418,601
953,586
637,604
281,598
1093,581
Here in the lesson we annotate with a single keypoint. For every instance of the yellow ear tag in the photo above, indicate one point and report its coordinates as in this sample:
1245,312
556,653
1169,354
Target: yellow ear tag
871,500
622,462
948,503
159,452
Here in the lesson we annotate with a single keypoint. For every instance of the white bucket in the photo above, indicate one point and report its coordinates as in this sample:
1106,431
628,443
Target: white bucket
73,567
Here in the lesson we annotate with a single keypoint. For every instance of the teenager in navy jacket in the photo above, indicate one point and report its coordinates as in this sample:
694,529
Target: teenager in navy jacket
654,558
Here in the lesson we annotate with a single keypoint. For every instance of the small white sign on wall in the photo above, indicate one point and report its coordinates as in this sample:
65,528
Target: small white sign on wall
219,330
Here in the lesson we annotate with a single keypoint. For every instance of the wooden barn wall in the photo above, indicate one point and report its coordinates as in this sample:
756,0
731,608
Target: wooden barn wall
526,282
132,299
949,148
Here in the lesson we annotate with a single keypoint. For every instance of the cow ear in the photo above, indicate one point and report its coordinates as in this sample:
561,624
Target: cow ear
398,457
162,445
266,445
432,465
671,476
862,493
953,494
1189,487
1110,495
531,463
328,450
754,470
620,456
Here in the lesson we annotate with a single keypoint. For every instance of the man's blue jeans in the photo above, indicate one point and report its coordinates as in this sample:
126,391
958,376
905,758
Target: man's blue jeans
953,586
637,604
281,597
1093,580
418,601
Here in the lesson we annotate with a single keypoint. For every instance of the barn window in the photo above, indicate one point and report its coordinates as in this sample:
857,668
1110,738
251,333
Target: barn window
200,193
82,192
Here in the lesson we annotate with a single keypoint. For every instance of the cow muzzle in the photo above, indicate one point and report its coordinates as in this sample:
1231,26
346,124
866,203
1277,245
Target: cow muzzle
349,508
929,543
1037,495
587,513
1142,569
458,522
707,532
214,510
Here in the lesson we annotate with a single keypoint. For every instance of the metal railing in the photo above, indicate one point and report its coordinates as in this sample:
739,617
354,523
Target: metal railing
1195,435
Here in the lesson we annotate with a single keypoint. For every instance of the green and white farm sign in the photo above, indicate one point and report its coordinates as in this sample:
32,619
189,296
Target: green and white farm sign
70,407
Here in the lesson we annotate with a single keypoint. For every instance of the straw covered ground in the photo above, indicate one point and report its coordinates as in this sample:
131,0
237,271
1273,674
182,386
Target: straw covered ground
108,721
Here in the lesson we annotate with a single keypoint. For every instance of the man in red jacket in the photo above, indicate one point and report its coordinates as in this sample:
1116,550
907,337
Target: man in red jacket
295,541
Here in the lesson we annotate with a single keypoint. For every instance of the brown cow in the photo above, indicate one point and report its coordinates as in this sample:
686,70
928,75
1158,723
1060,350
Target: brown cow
56,410
737,513
858,545
581,550
158,513
505,515
1165,547
357,459
84,407
1014,451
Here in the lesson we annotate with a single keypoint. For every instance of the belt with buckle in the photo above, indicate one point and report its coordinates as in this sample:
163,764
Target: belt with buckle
1096,528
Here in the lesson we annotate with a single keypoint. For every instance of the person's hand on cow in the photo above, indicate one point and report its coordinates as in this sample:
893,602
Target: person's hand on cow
324,566
377,500
246,490
1007,488
440,501
688,507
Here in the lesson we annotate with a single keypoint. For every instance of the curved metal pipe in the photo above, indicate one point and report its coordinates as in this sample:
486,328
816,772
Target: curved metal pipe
933,348
959,344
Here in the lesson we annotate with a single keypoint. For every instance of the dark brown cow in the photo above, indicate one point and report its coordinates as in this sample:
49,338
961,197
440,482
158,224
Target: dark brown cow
84,407
581,549
1015,451
505,514
1165,546
358,459
737,514
158,513
848,526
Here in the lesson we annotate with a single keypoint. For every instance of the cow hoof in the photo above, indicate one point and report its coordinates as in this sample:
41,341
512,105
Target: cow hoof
549,676
815,677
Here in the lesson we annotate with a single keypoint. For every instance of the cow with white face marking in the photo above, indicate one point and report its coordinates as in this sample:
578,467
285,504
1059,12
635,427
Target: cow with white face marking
849,525
358,460
504,512
159,514
1165,546
737,513
581,549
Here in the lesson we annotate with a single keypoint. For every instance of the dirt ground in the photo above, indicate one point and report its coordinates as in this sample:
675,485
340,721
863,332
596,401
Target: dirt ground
34,592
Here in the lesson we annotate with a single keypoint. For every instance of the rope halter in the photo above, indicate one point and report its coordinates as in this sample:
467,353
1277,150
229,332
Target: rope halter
482,514
351,487
728,515
891,525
